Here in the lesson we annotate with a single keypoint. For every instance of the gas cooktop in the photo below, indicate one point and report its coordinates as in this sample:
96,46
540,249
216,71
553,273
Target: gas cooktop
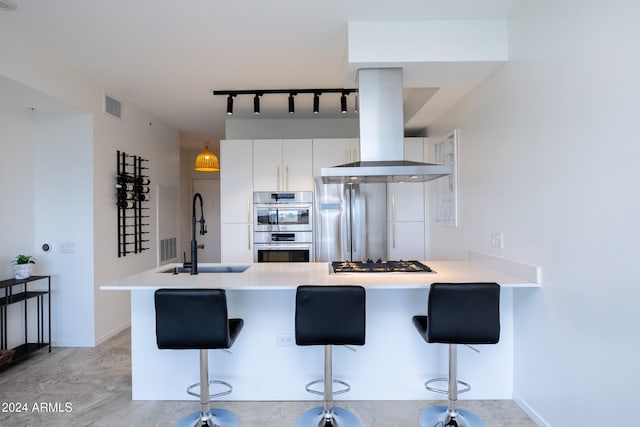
379,266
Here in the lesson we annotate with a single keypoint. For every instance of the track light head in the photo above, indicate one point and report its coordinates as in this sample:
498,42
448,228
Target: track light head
230,105
292,107
256,104
316,102
343,103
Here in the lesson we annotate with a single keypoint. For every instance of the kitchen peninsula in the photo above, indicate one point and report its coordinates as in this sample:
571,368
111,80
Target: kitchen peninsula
265,363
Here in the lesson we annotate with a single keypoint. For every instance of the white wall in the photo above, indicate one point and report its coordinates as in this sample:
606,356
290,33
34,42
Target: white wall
77,149
140,134
16,187
548,156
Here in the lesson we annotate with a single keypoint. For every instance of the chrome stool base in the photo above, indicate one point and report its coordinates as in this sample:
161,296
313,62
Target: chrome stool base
338,417
440,416
214,418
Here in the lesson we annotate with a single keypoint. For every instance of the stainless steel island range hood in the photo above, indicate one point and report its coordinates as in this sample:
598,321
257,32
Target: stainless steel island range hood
382,136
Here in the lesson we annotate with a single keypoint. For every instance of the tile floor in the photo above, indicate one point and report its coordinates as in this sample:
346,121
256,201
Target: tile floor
92,387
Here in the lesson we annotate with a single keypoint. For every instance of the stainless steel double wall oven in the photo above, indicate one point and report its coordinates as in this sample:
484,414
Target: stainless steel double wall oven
283,226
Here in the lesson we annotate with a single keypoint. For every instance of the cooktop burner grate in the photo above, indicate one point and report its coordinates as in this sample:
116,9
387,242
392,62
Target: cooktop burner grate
379,266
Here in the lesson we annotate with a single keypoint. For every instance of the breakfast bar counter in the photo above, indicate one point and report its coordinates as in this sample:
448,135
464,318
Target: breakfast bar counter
280,276
265,364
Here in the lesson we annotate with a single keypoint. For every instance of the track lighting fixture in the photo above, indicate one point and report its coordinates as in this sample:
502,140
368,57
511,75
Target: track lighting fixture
257,93
230,105
292,107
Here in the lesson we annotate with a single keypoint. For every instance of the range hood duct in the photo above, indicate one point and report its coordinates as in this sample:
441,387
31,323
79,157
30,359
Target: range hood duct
382,136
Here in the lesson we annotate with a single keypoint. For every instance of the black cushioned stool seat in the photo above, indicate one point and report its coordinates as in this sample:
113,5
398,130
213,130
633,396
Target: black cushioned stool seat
327,316
198,319
458,313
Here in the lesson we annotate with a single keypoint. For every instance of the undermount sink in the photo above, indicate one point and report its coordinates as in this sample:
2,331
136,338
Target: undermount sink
209,269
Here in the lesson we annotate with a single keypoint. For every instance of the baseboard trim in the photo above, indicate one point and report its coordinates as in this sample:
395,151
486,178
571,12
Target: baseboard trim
532,413
113,332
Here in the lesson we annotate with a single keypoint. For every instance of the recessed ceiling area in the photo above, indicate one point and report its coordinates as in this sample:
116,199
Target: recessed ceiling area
168,57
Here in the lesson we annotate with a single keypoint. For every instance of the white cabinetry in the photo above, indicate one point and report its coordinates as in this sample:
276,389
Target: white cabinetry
236,176
405,211
236,243
333,152
282,165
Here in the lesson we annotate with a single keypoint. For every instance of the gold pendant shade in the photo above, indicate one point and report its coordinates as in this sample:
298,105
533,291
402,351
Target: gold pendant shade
207,161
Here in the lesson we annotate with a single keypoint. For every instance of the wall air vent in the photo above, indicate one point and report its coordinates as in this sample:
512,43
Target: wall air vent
112,106
168,249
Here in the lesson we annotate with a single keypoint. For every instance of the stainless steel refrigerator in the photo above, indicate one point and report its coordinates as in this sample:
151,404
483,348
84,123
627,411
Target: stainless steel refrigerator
350,221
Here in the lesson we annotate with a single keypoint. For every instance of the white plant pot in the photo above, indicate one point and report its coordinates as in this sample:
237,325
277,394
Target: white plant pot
23,271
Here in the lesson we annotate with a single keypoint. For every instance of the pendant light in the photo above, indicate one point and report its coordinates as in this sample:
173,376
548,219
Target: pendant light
207,161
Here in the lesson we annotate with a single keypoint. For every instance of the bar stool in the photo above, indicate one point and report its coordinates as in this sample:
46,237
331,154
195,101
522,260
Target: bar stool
328,316
458,313
197,319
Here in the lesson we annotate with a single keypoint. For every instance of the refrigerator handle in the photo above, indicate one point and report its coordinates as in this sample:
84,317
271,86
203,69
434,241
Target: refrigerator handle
393,207
347,223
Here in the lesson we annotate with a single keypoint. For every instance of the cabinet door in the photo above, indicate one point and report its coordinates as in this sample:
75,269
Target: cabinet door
236,175
406,240
236,243
414,149
267,165
297,165
333,152
406,200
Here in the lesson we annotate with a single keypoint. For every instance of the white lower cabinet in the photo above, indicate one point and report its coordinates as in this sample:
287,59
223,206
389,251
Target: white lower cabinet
236,243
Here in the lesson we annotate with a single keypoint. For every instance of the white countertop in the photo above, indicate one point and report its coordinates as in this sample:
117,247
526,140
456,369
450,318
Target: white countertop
278,276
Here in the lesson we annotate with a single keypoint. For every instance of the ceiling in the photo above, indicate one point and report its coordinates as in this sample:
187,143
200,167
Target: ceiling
168,56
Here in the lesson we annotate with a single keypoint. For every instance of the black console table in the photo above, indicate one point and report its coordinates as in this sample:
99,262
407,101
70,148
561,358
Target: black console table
17,291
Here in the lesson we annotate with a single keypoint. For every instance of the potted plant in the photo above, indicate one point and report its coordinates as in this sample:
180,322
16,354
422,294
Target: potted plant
23,265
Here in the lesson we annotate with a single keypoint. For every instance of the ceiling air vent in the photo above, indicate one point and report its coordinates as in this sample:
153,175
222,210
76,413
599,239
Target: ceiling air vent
112,106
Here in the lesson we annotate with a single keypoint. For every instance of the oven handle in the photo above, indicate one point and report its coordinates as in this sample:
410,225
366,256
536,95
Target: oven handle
284,246
283,205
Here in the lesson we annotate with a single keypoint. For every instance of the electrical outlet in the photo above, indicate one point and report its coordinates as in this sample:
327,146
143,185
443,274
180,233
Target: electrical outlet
285,340
497,240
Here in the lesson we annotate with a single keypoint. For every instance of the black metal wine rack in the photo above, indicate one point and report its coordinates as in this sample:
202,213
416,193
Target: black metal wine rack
132,197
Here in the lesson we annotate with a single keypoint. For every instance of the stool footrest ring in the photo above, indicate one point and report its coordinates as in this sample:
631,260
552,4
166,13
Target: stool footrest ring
211,396
342,383
427,385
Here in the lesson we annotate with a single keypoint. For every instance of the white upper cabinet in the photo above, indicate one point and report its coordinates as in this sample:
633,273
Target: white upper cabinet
333,152
406,200
282,165
236,176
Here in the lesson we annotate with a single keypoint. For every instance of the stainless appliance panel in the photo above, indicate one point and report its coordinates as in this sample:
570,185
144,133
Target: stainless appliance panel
280,237
350,221
282,197
297,252
283,211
